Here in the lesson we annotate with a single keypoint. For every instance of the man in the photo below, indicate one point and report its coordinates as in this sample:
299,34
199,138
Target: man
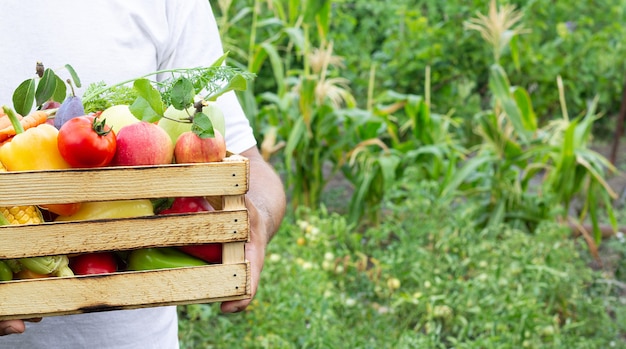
112,41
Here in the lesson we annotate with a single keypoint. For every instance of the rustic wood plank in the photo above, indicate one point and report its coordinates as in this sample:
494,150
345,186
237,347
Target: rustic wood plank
120,183
123,234
81,294
234,252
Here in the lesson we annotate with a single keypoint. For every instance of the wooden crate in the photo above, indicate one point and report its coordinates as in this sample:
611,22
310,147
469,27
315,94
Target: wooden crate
224,183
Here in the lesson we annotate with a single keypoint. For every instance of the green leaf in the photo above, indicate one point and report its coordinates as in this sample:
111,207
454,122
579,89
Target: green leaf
323,20
182,94
499,85
277,66
218,62
584,130
294,10
297,37
469,168
497,215
202,126
73,74
513,45
24,96
238,83
148,104
388,165
60,92
45,87
215,114
143,111
522,99
314,8
260,54
307,99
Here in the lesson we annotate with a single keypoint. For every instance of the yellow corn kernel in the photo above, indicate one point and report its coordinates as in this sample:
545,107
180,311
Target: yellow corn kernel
22,214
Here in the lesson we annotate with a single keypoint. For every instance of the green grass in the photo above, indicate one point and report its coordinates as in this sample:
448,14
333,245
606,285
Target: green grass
423,279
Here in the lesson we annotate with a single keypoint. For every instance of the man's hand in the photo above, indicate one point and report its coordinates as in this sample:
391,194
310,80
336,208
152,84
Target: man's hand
14,326
266,203
11,327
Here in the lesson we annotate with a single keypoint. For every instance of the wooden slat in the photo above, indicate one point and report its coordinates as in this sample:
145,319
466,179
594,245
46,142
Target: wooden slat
61,296
117,183
123,234
233,252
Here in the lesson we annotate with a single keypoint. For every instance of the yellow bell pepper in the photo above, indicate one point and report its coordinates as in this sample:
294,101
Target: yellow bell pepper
34,149
111,209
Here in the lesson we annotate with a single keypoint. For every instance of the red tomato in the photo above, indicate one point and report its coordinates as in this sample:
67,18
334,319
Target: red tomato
93,263
85,141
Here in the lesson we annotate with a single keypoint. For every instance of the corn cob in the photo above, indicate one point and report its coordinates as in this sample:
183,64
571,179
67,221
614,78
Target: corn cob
14,215
21,214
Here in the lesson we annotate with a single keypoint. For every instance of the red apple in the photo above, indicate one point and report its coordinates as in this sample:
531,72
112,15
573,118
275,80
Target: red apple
190,148
143,143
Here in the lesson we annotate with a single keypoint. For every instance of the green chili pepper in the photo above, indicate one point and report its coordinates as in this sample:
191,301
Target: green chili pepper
161,258
6,274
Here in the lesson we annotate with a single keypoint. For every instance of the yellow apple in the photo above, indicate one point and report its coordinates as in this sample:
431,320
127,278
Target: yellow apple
118,116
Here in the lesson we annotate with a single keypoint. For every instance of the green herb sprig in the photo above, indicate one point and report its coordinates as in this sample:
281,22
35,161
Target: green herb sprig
180,90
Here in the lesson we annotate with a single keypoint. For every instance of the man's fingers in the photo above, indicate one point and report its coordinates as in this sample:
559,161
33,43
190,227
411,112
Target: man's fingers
11,327
234,306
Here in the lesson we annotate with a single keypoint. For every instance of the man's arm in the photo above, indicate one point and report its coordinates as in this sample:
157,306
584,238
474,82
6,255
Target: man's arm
266,203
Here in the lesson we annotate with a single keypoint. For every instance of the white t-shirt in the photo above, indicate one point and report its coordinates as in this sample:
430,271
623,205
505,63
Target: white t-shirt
111,41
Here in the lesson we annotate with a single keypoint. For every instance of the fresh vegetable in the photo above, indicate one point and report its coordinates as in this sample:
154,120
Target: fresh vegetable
212,252
28,274
20,215
15,215
49,265
161,258
6,274
111,209
94,263
43,265
33,119
34,149
188,204
85,141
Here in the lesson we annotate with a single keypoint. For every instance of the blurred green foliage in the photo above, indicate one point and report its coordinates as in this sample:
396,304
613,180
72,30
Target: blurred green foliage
581,41
437,284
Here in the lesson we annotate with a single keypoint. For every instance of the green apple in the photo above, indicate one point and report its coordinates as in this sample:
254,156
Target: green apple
118,116
175,128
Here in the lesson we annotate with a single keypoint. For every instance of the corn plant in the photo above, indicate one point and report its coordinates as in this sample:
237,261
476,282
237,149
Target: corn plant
523,172
402,133
297,115
311,119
